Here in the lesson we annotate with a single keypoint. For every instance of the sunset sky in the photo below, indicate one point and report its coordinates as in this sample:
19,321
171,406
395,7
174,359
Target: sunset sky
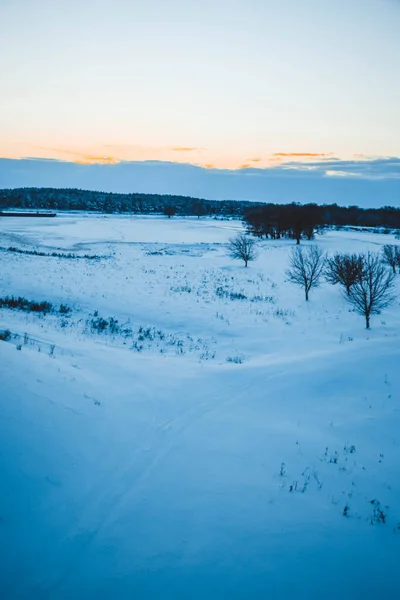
215,83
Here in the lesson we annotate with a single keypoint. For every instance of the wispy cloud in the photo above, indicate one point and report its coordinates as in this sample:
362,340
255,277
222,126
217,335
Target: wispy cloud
339,173
302,154
83,158
375,168
90,159
186,149
119,152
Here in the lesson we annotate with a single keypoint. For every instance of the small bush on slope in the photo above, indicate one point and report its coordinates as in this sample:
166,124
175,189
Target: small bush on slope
5,336
26,305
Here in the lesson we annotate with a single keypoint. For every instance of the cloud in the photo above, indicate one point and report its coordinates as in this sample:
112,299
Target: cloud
372,168
186,149
114,153
82,158
89,159
338,173
374,182
302,154
253,159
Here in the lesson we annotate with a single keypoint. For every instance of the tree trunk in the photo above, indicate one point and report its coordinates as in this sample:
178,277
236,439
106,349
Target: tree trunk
245,263
367,321
307,294
297,240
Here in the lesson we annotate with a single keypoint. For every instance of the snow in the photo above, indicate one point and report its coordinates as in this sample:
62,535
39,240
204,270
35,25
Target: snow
219,459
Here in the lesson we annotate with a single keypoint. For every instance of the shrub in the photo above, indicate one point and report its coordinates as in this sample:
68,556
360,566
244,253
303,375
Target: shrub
64,309
20,303
51,254
111,326
378,516
237,360
26,305
5,336
223,293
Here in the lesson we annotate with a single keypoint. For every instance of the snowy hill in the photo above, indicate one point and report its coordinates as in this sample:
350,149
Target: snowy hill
205,433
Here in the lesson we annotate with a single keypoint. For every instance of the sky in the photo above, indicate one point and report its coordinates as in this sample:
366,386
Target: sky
220,84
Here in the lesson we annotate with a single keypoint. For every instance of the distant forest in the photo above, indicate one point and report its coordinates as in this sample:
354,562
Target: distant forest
73,199
298,221
271,220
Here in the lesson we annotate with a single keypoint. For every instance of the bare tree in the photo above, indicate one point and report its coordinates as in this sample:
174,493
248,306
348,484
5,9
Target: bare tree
306,267
343,269
242,247
373,290
391,256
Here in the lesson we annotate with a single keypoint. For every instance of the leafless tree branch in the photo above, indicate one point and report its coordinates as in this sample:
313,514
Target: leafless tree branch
306,267
373,290
243,248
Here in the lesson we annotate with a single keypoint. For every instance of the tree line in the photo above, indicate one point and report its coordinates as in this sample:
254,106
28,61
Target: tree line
269,220
296,221
86,200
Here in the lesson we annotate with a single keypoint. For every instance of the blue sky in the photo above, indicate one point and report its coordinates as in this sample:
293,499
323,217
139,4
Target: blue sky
218,84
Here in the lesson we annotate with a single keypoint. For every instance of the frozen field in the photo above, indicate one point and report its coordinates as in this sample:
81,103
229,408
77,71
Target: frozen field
223,439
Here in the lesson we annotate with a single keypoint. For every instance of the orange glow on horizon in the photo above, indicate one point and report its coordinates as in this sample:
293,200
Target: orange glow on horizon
186,149
101,160
114,153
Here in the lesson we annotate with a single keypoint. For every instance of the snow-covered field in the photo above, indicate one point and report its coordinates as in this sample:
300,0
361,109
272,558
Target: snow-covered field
225,440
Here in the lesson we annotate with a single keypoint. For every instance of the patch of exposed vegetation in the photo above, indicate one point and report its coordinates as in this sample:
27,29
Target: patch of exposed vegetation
147,338
68,255
23,304
5,335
